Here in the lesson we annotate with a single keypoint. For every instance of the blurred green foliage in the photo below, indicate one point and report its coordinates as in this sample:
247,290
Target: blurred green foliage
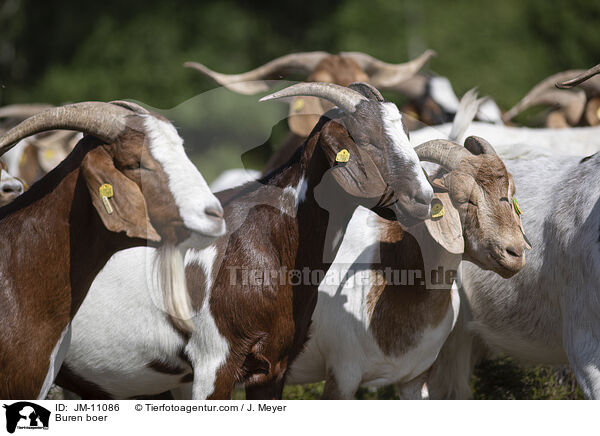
71,50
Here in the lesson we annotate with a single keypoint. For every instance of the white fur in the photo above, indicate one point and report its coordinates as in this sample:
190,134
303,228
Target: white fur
548,312
207,349
125,302
169,276
234,177
442,93
189,189
394,129
8,181
56,359
522,142
122,326
292,196
341,340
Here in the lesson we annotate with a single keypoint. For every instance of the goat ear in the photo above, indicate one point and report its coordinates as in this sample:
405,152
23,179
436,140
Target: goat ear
446,229
129,211
304,114
439,184
358,175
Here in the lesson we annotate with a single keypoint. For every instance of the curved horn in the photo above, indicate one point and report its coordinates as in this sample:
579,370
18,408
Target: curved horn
22,111
581,77
442,152
543,93
303,63
104,120
344,98
387,76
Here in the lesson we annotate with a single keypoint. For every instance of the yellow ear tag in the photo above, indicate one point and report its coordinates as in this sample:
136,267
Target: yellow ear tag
437,210
517,208
342,156
298,105
106,192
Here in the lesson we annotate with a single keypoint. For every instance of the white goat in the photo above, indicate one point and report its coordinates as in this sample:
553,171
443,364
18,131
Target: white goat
549,312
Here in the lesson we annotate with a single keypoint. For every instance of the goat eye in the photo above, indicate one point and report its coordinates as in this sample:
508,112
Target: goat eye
466,200
132,166
505,199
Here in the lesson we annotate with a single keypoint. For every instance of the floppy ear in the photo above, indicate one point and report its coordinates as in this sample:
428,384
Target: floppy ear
446,230
130,214
358,176
304,114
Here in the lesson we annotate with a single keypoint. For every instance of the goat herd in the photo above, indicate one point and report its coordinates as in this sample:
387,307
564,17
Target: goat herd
122,275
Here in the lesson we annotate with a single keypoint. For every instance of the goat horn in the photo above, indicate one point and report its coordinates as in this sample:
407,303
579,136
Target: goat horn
303,63
22,110
581,77
538,95
344,98
442,152
103,120
478,145
388,76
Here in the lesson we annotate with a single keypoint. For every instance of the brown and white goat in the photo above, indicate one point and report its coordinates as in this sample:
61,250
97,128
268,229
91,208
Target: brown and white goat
388,302
127,183
288,223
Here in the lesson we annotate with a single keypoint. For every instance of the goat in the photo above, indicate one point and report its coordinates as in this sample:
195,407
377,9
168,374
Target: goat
127,183
549,312
569,108
376,325
289,221
10,187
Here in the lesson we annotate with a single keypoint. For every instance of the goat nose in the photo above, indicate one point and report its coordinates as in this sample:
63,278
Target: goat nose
11,187
424,196
214,212
513,251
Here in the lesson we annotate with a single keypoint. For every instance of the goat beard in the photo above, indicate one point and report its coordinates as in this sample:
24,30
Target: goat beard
169,268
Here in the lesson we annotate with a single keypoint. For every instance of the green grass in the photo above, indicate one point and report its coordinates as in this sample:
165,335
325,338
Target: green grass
497,379
502,378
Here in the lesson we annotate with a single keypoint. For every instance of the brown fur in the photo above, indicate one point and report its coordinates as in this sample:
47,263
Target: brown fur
266,325
54,241
399,313
88,390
